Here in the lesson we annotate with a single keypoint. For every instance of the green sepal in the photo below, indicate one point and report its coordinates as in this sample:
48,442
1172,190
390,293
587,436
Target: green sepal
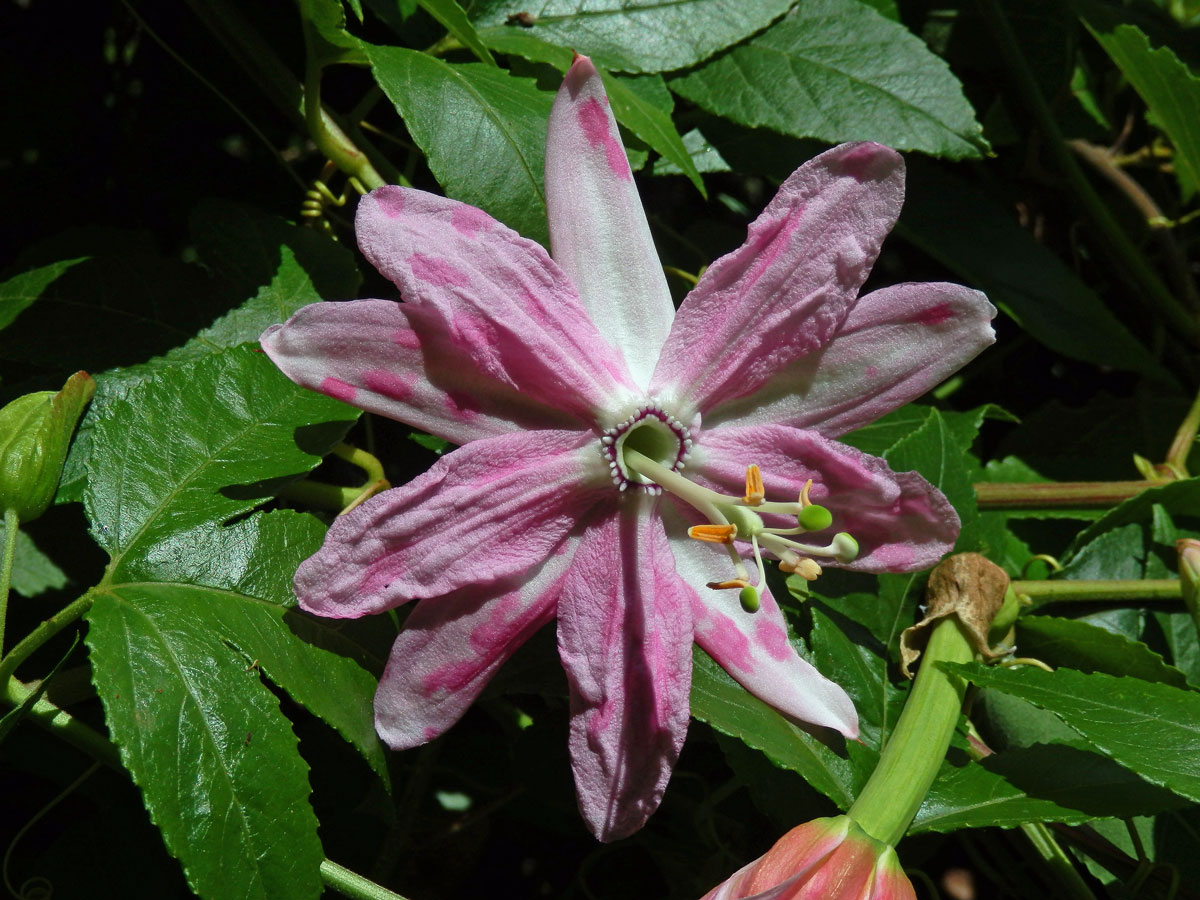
35,432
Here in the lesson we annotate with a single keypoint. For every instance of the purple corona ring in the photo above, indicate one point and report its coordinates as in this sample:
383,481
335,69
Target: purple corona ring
625,467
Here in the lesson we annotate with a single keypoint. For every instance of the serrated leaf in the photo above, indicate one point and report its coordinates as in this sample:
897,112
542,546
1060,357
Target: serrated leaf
936,450
1167,85
1179,631
482,130
837,70
729,708
635,35
1115,555
976,236
1078,645
194,606
455,21
198,732
21,290
331,43
1042,783
1151,729
1181,497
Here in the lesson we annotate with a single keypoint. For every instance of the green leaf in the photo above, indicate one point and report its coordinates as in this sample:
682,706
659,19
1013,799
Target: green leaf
1078,645
33,571
1151,729
199,732
887,431
482,129
727,706
635,35
1116,555
705,157
1044,783
651,123
331,43
21,290
837,70
938,451
1170,90
1179,631
455,21
194,606
1178,497
976,236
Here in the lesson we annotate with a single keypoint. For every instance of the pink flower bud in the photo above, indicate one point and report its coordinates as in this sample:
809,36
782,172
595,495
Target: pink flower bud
825,859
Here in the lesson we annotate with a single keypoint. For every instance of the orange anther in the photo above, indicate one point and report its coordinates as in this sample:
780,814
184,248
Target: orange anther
754,487
713,534
728,585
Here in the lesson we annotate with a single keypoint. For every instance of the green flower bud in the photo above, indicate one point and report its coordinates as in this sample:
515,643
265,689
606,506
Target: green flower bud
35,431
814,518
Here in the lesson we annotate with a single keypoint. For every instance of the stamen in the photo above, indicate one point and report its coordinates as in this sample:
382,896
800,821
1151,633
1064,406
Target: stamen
732,583
755,494
713,534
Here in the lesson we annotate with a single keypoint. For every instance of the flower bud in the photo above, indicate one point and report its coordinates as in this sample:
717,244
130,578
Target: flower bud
825,859
35,431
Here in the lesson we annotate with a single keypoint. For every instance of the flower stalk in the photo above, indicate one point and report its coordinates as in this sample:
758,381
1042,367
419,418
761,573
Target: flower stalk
1066,590
910,761
1060,494
6,565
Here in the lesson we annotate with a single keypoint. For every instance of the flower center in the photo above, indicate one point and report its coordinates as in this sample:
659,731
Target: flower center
652,433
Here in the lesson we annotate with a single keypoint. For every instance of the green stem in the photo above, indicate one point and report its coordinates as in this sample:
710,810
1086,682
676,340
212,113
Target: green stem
1185,439
917,746
36,638
326,134
1145,280
11,525
1060,494
1070,882
351,884
63,724
1067,590
318,495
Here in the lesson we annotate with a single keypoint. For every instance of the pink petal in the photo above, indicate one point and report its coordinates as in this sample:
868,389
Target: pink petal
625,638
598,230
496,297
490,510
754,647
451,647
786,291
397,360
902,523
896,344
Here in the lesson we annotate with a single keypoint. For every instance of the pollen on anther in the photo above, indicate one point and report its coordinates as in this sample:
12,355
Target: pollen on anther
713,534
755,492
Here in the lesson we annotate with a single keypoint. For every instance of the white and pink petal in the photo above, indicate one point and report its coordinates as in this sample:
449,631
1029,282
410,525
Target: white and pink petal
451,647
500,299
397,360
598,229
625,640
488,511
897,343
786,291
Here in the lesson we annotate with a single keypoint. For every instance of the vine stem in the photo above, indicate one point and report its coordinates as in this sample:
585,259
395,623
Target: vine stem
1067,590
11,525
1135,267
1060,494
36,638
